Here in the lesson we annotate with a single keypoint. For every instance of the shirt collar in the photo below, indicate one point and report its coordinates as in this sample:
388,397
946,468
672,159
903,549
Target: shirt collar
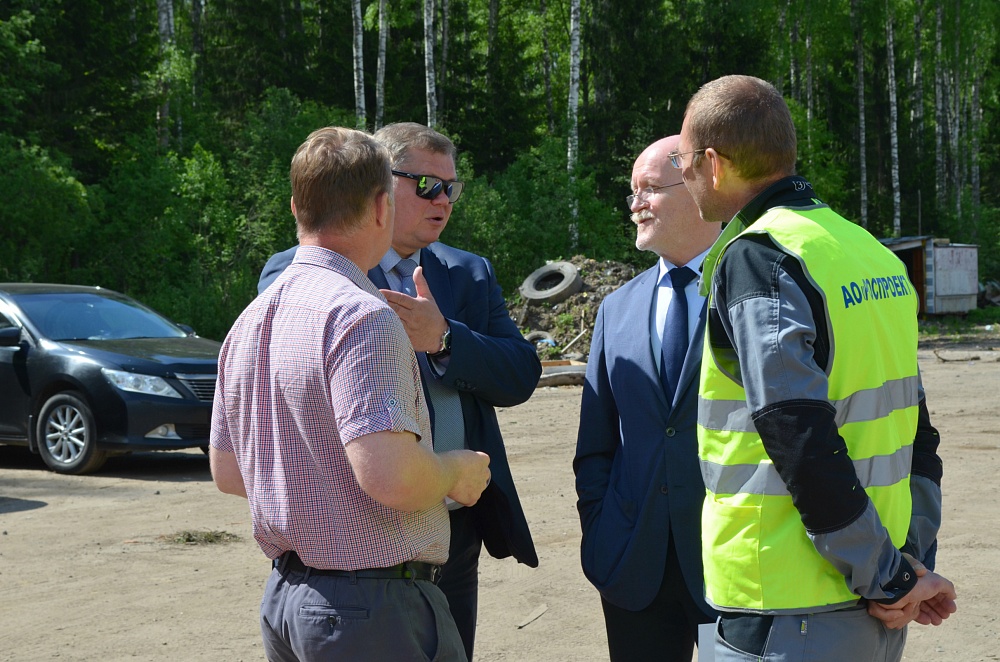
324,257
392,258
693,264
786,192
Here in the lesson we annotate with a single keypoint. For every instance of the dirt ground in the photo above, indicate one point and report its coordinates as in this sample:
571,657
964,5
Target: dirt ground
88,569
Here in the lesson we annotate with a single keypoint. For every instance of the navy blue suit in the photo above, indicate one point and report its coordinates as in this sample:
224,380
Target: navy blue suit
637,474
491,365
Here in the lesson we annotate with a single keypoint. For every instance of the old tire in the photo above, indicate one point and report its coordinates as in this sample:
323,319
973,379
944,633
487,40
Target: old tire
540,337
552,283
564,375
67,435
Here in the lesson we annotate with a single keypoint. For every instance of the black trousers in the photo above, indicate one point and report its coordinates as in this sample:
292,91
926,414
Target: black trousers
665,631
460,575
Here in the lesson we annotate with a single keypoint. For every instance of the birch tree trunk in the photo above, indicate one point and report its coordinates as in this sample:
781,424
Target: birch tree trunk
809,90
793,48
165,24
574,100
492,27
939,116
893,120
955,132
359,65
917,91
443,64
383,36
860,83
975,128
198,47
547,69
430,85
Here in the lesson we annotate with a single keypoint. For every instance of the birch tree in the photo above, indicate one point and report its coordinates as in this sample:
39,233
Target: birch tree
893,124
859,52
574,100
547,69
359,65
165,24
939,115
383,36
430,84
954,109
197,47
443,64
917,82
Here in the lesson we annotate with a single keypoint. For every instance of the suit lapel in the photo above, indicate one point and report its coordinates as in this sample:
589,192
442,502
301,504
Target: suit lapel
377,276
633,326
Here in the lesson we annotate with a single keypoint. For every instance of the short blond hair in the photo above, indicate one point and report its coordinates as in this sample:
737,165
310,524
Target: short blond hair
746,120
336,174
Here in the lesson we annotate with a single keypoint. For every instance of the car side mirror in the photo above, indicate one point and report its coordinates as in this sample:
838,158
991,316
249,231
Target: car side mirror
187,329
10,336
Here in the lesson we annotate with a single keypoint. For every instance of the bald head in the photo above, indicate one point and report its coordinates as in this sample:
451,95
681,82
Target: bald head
666,217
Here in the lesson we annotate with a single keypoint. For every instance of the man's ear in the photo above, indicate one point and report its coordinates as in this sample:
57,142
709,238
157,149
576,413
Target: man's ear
292,205
383,209
721,168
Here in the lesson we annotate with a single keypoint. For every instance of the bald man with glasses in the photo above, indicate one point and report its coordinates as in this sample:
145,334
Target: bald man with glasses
637,477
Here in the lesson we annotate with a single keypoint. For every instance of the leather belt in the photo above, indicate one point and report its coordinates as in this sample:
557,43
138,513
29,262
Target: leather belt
412,570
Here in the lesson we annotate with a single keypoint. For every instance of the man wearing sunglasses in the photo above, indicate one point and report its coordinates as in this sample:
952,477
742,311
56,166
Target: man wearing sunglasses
472,355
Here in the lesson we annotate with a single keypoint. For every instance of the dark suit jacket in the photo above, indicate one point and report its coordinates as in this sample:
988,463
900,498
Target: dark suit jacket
637,474
491,365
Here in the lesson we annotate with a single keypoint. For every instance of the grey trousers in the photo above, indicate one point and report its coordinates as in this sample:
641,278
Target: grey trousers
837,636
306,617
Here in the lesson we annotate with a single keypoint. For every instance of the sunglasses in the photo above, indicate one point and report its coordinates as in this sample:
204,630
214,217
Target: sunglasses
430,187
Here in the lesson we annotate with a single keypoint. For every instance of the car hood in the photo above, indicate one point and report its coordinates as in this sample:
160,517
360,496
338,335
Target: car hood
170,354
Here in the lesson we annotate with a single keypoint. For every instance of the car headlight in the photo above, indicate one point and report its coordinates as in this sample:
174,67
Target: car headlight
136,383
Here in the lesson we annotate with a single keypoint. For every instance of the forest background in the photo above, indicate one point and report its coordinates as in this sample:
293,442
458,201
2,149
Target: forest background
145,144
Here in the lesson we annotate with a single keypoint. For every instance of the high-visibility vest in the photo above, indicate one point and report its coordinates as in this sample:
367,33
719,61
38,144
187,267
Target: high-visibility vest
756,552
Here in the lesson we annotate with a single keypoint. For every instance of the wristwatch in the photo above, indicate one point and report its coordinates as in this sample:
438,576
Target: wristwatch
445,343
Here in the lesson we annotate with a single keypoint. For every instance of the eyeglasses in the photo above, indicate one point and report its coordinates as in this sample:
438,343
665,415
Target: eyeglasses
430,187
644,193
675,157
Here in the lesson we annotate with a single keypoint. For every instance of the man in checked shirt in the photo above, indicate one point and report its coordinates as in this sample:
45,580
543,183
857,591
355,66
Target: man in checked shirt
320,422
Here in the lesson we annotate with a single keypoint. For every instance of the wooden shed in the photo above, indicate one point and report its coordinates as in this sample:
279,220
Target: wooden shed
946,274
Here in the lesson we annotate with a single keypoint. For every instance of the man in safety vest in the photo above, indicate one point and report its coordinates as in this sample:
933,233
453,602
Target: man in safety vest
820,462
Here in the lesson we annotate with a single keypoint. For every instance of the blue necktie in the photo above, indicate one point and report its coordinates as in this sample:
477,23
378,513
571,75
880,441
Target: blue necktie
675,332
447,421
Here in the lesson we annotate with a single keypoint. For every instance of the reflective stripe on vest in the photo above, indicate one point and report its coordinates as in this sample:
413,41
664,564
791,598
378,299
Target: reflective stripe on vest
756,552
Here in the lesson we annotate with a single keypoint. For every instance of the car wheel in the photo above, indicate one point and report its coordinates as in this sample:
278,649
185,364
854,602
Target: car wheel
67,436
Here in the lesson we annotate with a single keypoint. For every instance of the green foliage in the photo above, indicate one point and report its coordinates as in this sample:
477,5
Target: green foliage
985,315
93,190
523,219
821,159
44,223
24,67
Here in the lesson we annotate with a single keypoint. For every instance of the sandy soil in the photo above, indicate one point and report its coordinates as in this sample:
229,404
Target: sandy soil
88,570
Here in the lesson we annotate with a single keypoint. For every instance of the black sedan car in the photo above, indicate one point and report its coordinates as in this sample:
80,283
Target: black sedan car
86,372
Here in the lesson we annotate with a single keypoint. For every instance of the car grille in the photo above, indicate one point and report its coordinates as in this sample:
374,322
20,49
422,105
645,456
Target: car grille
185,431
203,386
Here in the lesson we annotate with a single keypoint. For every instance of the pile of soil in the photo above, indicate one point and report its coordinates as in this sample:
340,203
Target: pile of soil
570,323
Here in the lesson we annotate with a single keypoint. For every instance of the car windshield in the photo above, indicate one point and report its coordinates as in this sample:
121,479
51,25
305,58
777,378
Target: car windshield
93,316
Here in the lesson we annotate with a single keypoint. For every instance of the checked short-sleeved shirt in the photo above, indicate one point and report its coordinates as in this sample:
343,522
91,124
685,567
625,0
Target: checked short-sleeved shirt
312,364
